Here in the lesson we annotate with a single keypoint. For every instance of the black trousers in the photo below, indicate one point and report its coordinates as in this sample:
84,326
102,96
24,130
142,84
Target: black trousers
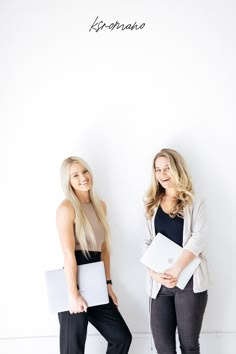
181,309
105,318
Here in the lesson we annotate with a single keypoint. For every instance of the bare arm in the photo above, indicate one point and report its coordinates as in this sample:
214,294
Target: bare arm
65,226
105,257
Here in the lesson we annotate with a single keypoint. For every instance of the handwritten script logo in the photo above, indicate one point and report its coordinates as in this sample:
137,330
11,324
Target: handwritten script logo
100,25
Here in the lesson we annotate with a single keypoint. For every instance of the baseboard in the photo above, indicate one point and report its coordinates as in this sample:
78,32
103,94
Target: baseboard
211,342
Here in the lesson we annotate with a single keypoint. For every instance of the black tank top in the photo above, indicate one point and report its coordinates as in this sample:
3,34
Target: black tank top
169,227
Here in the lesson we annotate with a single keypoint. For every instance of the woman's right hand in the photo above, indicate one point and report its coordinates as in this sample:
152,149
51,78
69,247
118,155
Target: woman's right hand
164,279
77,304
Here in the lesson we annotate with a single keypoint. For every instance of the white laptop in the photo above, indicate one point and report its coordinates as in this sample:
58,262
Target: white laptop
161,255
92,286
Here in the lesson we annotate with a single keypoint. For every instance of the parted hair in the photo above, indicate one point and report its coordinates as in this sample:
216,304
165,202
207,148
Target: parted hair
182,180
82,224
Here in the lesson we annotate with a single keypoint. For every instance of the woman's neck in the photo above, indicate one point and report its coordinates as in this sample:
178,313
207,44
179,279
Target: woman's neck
170,194
83,197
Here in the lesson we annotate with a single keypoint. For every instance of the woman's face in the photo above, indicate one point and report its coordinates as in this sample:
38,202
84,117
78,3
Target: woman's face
163,172
80,178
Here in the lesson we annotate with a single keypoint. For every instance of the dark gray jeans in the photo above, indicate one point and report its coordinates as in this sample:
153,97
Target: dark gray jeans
181,309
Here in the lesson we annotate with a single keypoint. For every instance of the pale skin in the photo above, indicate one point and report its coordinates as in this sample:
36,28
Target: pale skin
81,182
164,176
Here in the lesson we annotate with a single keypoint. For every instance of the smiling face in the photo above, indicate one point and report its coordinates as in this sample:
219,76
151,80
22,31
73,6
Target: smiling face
80,178
163,172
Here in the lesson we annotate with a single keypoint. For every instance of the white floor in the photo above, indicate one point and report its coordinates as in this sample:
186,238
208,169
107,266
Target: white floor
211,343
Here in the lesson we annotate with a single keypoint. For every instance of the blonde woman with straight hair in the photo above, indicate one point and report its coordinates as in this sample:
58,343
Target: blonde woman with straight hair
173,210
85,238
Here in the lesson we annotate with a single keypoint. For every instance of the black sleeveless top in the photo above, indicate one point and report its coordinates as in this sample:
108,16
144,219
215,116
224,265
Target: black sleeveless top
169,227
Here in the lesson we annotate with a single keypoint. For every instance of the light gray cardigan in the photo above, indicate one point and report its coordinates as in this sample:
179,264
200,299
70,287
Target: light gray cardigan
194,240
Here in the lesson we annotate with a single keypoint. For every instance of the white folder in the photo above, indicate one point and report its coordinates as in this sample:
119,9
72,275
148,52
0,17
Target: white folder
92,286
163,253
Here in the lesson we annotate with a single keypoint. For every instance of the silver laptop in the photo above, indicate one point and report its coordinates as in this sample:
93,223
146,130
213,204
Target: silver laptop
92,286
161,255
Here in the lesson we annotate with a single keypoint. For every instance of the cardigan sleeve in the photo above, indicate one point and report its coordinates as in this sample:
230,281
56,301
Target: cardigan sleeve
149,237
198,239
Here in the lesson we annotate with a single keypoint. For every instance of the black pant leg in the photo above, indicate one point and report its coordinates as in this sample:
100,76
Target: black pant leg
109,322
163,322
190,308
73,332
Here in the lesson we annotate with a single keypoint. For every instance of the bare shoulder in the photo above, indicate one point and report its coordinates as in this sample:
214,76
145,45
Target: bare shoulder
103,205
66,209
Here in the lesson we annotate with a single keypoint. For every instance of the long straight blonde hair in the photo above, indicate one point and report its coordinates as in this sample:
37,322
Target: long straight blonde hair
82,224
183,185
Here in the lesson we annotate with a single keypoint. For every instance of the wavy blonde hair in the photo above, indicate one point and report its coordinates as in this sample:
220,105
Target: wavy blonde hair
82,224
183,185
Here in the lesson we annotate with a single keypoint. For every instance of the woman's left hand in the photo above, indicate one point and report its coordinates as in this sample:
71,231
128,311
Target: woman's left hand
112,294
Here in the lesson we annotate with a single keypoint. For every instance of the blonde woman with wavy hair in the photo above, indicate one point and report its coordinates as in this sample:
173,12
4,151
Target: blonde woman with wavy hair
85,238
181,182
174,211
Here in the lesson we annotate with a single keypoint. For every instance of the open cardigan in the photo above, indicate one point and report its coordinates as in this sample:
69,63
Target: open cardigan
194,240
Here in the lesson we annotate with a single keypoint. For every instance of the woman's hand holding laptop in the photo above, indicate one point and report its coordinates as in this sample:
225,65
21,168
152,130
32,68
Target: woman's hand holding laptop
165,279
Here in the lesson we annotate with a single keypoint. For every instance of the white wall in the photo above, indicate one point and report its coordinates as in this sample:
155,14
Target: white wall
115,98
